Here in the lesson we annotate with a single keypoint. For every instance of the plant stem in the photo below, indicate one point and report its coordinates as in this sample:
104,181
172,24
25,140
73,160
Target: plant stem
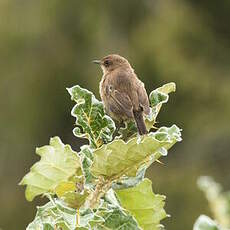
101,188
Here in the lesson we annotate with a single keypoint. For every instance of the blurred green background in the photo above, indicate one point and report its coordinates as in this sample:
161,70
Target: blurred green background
46,46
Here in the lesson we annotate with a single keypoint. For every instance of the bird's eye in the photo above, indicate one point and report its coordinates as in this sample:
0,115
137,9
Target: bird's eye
107,63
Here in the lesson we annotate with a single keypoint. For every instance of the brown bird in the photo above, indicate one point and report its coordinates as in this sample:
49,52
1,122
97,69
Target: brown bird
122,93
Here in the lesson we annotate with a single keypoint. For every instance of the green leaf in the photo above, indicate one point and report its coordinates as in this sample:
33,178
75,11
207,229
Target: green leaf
52,214
91,121
58,164
114,215
160,95
127,182
128,131
157,98
117,219
86,154
205,223
75,199
143,204
56,214
119,158
69,193
90,218
64,187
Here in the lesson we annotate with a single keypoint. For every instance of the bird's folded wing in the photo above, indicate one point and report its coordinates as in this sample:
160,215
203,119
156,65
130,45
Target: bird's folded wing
121,103
143,98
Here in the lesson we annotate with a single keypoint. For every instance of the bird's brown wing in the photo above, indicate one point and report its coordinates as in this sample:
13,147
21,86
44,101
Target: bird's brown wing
118,88
135,89
143,98
120,104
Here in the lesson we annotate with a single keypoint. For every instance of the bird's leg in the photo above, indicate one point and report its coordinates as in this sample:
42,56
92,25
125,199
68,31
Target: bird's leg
118,125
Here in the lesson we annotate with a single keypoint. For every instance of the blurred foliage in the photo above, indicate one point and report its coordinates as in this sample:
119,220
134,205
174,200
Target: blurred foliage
219,201
47,46
206,223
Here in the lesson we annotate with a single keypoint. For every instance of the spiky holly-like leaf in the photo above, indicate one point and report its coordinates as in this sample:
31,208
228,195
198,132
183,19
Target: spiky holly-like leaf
56,215
114,215
86,154
157,98
91,120
118,219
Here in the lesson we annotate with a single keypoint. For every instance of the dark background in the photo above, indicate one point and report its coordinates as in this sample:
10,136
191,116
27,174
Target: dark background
48,45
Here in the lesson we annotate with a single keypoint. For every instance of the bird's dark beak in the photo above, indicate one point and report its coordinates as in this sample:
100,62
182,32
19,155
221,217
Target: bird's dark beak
96,62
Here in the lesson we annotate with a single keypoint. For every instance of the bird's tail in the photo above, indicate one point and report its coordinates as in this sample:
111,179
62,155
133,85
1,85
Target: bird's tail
138,116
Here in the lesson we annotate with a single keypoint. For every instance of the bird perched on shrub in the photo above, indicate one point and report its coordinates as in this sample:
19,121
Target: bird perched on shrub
122,93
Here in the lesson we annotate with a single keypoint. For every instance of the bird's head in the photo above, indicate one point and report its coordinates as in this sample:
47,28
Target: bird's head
112,62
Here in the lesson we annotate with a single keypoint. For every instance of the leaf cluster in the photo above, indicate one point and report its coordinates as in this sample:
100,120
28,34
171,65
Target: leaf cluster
103,185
